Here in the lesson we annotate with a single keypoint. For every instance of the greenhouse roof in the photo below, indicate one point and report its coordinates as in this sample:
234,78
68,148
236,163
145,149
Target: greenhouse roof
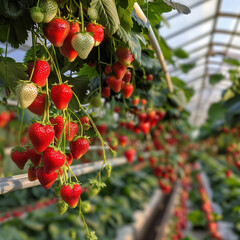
210,33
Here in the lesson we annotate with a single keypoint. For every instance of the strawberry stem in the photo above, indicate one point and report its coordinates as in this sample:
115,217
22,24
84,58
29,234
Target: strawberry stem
82,19
59,73
20,128
70,170
80,124
81,214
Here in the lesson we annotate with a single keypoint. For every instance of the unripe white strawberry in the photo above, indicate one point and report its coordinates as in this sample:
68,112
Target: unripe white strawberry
83,44
50,9
26,94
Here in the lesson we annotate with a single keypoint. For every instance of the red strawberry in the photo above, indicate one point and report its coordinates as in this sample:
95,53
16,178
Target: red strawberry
69,157
107,69
142,117
79,147
45,179
124,56
38,104
34,157
145,127
130,125
5,117
228,173
151,115
71,194
41,136
127,77
67,50
41,72
32,173
53,159
128,90
123,140
123,85
143,101
58,124
140,158
106,91
97,31
117,109
71,131
137,130
102,128
129,154
56,31
61,95
119,70
85,122
149,77
114,83
19,156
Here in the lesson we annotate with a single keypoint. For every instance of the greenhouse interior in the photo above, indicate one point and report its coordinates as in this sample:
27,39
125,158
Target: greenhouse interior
119,120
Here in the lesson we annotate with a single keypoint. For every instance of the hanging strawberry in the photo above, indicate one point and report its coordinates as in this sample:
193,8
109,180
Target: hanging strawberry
97,31
70,194
26,94
83,44
19,155
79,147
49,8
46,180
128,90
38,104
67,50
56,31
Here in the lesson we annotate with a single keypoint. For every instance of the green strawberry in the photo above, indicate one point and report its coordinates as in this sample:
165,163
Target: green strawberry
37,14
83,44
91,236
50,9
26,94
62,207
95,101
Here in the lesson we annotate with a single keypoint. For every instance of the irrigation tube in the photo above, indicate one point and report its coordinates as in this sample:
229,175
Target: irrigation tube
153,40
18,182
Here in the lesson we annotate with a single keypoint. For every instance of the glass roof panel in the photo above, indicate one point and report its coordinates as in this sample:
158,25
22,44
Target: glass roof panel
236,41
221,38
190,34
226,23
230,6
195,44
217,48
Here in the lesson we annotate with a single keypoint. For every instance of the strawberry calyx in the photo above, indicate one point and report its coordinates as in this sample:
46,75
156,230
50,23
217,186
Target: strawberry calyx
19,149
81,137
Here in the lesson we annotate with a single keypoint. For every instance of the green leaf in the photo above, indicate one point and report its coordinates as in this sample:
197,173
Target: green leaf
197,218
90,72
16,72
139,20
216,112
135,46
229,93
179,7
215,78
187,67
154,10
179,98
39,52
180,53
122,34
105,12
178,82
232,61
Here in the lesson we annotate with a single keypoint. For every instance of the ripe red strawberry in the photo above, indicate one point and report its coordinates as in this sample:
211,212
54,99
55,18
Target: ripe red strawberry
129,154
123,85
140,158
38,104
123,140
53,159
161,114
117,109
79,147
143,101
67,50
71,131
137,130
228,173
142,117
5,117
34,157
71,194
124,56
149,77
114,83
32,173
145,127
85,122
128,90
151,115
130,125
58,124
153,161
61,95
41,136
127,77
56,31
119,70
45,179
19,156
106,91
69,158
97,31
41,72
107,69
102,128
